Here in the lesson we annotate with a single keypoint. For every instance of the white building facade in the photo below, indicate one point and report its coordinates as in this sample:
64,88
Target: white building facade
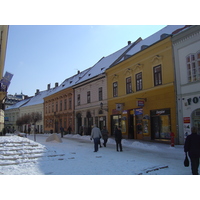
91,93
186,45
90,104
12,113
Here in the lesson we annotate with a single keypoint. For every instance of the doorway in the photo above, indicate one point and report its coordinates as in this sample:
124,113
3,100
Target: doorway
196,120
131,127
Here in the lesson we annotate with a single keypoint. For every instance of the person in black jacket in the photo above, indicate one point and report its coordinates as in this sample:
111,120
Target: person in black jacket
118,138
192,146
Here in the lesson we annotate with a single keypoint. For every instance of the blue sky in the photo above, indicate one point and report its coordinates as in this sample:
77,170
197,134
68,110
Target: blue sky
41,54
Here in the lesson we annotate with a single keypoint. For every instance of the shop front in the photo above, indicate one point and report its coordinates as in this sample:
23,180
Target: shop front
132,122
191,113
160,124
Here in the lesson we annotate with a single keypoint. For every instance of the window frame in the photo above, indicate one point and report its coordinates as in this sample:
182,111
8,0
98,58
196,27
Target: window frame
115,89
78,99
100,93
157,75
193,67
88,97
138,81
128,85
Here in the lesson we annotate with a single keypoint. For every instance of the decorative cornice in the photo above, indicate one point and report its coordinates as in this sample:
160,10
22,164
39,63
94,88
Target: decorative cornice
187,37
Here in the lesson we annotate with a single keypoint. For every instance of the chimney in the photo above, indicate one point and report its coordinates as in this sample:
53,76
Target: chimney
129,42
56,84
37,92
78,72
48,86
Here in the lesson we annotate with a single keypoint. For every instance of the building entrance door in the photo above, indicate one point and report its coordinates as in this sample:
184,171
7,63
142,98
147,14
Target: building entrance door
131,127
196,120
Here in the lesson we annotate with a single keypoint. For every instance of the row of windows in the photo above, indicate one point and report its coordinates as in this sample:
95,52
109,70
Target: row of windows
50,123
63,106
100,96
193,67
138,81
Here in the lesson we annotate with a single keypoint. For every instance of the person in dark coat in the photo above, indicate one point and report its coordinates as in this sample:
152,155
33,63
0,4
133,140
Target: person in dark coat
61,131
104,133
192,146
118,138
69,130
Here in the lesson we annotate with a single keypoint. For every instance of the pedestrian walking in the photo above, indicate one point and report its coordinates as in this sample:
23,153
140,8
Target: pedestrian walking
192,146
104,133
61,131
69,130
96,135
29,130
118,138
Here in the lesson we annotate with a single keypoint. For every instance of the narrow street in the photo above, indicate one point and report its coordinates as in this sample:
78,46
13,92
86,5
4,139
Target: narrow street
141,158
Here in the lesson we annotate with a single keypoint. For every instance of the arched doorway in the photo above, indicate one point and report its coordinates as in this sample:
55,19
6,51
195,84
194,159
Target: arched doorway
196,119
79,126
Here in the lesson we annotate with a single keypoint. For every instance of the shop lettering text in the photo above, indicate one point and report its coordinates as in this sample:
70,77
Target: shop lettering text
194,100
159,112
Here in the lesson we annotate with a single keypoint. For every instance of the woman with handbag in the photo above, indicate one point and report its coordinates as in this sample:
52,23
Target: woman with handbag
192,146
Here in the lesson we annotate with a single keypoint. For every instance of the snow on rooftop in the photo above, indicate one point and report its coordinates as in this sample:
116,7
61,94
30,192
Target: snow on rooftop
168,30
37,99
104,64
18,104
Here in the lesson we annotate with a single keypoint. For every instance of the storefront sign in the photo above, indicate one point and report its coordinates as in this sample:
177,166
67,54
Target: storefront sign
138,111
187,131
186,120
140,103
160,112
194,100
119,106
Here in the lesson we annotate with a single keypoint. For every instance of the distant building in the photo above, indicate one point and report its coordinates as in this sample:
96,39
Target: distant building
12,113
13,99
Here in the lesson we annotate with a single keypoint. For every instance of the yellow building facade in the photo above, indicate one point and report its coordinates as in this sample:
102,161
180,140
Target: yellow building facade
141,94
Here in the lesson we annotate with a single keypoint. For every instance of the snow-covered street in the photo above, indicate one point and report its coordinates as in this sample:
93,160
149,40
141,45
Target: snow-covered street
75,156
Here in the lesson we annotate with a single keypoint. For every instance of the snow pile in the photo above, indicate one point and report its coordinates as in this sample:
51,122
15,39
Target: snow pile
16,150
75,156
144,146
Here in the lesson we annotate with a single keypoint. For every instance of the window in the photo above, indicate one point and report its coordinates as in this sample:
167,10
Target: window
70,103
157,75
138,78
198,66
193,67
56,106
52,107
115,89
60,105
65,104
100,94
78,99
88,97
128,85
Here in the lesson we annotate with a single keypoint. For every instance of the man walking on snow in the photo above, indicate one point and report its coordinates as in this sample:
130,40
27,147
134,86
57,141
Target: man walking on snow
96,135
192,146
